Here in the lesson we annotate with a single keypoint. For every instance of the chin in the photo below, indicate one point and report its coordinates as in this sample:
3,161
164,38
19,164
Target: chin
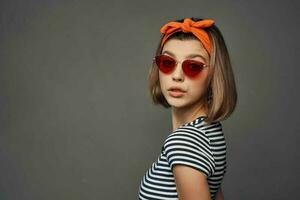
177,103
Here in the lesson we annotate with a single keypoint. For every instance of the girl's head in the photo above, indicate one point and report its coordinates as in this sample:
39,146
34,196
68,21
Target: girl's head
192,56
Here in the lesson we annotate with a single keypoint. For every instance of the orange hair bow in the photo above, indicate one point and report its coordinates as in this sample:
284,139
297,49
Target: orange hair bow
188,25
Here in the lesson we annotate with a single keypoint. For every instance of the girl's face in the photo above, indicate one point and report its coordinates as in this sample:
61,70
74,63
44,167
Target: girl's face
192,88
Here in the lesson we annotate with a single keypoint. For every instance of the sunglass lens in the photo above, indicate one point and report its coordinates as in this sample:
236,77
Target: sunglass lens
165,63
192,68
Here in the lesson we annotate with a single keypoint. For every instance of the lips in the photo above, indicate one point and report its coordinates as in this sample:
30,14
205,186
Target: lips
176,89
176,92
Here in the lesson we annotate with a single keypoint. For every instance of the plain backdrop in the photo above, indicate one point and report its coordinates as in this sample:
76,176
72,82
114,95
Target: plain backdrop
76,118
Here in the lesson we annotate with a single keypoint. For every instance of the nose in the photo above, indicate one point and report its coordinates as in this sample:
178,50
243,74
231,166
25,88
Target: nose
177,74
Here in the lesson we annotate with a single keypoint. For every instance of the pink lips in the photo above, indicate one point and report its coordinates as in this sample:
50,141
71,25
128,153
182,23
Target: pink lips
176,91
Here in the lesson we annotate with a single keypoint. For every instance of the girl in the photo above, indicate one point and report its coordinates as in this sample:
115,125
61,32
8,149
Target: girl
191,74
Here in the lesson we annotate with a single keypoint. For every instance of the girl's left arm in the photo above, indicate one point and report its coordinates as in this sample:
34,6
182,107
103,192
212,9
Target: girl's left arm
190,183
220,195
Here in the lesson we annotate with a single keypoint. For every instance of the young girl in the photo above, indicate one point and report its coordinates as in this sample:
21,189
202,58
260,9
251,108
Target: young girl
191,74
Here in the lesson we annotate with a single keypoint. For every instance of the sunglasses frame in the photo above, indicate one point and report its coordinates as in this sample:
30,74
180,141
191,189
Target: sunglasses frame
182,63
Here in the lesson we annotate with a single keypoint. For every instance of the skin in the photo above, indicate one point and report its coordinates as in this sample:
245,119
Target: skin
189,106
191,184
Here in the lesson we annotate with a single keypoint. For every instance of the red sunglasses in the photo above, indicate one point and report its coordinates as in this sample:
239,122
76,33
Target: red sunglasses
167,64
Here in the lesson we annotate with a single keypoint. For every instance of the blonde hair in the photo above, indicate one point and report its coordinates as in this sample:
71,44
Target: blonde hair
221,95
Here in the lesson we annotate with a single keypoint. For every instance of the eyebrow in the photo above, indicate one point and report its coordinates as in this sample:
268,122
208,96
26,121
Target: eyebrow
189,56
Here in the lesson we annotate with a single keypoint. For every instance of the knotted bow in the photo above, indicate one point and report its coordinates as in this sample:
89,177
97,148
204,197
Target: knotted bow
188,25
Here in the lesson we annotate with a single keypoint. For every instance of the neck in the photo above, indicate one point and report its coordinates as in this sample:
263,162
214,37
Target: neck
184,115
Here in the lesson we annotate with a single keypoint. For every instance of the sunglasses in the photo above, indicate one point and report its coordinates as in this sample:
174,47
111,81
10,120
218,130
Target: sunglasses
167,64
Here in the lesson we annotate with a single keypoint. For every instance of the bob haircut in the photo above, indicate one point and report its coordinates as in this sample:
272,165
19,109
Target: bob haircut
220,95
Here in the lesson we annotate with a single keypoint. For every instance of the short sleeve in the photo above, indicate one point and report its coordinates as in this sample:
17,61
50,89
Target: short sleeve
189,146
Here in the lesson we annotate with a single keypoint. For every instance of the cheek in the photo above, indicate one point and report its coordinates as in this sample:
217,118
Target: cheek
201,80
164,83
162,80
197,91
198,86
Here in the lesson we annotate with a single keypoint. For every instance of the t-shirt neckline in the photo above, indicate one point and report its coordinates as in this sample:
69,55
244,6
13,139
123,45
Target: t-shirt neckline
195,121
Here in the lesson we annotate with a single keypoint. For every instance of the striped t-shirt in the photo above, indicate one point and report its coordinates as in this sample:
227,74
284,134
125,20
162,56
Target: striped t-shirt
193,144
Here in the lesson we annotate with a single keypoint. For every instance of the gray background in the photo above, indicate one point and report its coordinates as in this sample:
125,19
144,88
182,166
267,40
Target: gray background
76,120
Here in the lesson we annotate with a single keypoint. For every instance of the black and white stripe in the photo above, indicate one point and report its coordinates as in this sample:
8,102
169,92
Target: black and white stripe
194,144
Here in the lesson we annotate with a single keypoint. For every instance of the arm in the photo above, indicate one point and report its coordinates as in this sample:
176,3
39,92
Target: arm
219,195
191,184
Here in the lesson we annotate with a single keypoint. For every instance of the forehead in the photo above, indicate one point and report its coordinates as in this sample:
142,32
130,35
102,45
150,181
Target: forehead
184,48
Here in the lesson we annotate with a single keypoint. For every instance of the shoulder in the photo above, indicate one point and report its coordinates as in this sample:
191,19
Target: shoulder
188,132
197,131
190,146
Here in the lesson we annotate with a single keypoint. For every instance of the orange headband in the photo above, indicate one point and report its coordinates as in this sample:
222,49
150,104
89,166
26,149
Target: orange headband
186,26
